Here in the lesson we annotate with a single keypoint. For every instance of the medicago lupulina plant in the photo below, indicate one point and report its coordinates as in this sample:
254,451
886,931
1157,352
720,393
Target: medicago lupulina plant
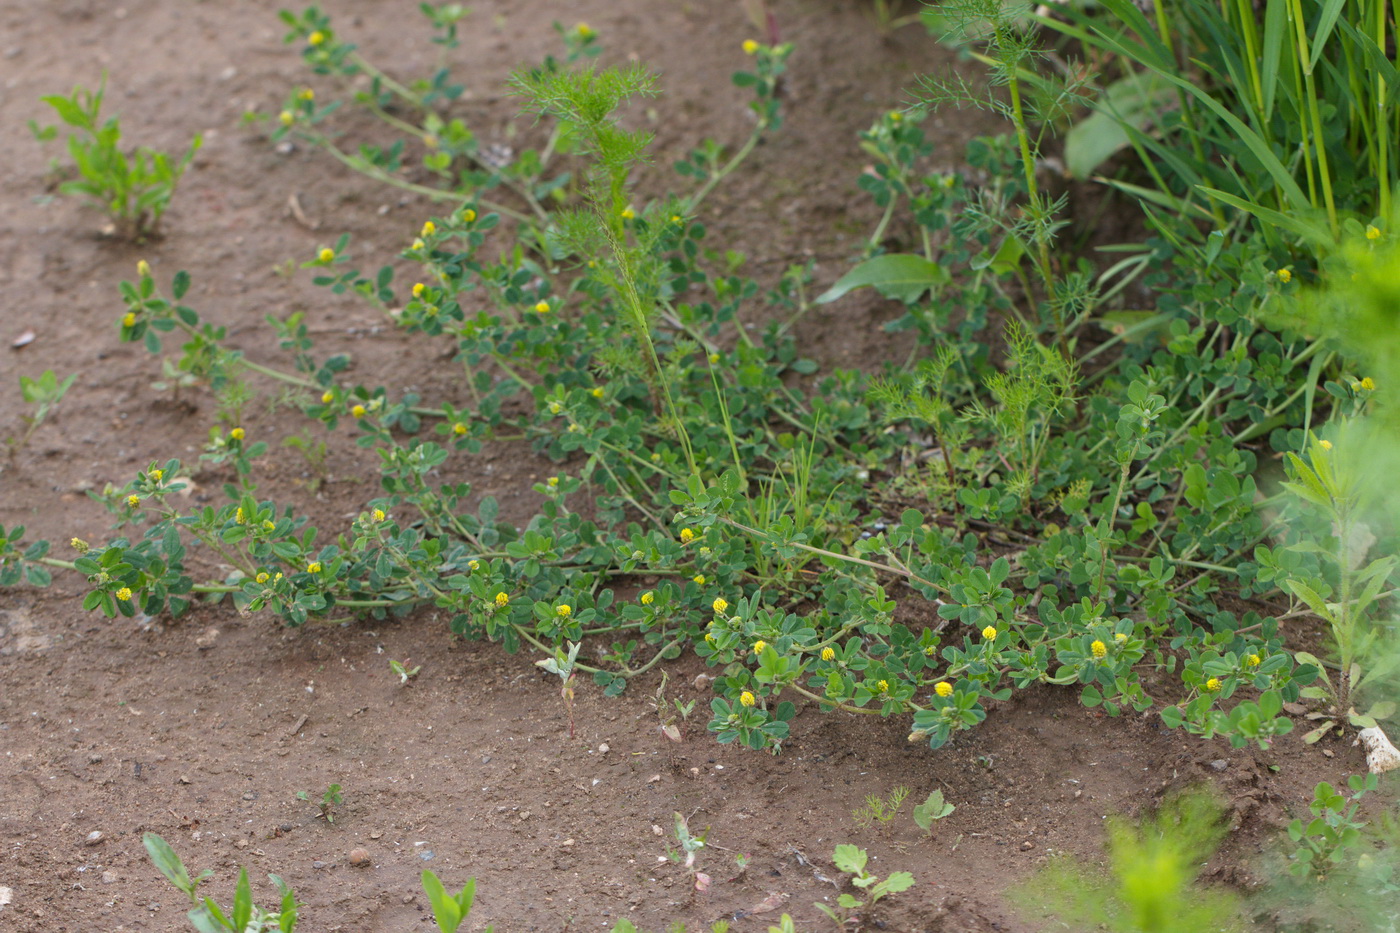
1073,526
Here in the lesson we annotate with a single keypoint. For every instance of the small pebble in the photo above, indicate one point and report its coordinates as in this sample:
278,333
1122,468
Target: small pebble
94,759
604,748
286,827
1027,846
250,796
109,877
242,843
94,837
359,857
1220,764
318,865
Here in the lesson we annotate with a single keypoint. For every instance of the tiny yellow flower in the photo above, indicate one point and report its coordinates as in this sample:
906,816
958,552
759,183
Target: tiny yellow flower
133,501
563,610
574,429
541,307
1325,445
943,688
1372,232
989,633
237,434
157,475
143,268
262,577
314,567
316,38
883,686
555,408
1213,684
468,215
418,288
720,604
239,517
750,46
277,576
430,141
759,645
552,482
378,515
584,30
699,578
628,213
648,598
416,244
308,94
709,638
429,228
1284,276
1252,661
473,564
713,358
896,116
358,411
705,552
1099,649
1368,384
598,392
327,397
502,600
459,428
129,319
326,254
746,699
687,536
269,526
675,218
287,118
79,545
1120,637
124,594
828,653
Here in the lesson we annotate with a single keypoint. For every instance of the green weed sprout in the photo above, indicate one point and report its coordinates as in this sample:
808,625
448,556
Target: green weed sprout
880,810
450,910
852,860
563,665
404,672
206,915
134,189
330,799
1150,887
43,393
931,810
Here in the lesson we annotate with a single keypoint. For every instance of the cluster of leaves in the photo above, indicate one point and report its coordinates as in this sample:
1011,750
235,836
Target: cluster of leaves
1081,510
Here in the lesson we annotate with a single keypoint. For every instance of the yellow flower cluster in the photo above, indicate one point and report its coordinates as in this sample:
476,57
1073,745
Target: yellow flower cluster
720,604
759,645
989,633
378,515
1213,684
747,699
314,567
124,594
262,577
648,598
563,610
943,689
502,600
1099,649
237,434
828,653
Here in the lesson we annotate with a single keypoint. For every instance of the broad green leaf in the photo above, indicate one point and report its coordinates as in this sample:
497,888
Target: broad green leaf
1137,100
901,276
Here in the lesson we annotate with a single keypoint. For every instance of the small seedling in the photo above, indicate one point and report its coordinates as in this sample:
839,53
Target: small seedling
668,713
206,915
933,809
43,393
689,846
330,799
450,910
404,671
134,189
563,665
880,810
852,859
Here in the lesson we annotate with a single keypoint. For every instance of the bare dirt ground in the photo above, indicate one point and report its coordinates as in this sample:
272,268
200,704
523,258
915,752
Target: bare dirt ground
204,730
